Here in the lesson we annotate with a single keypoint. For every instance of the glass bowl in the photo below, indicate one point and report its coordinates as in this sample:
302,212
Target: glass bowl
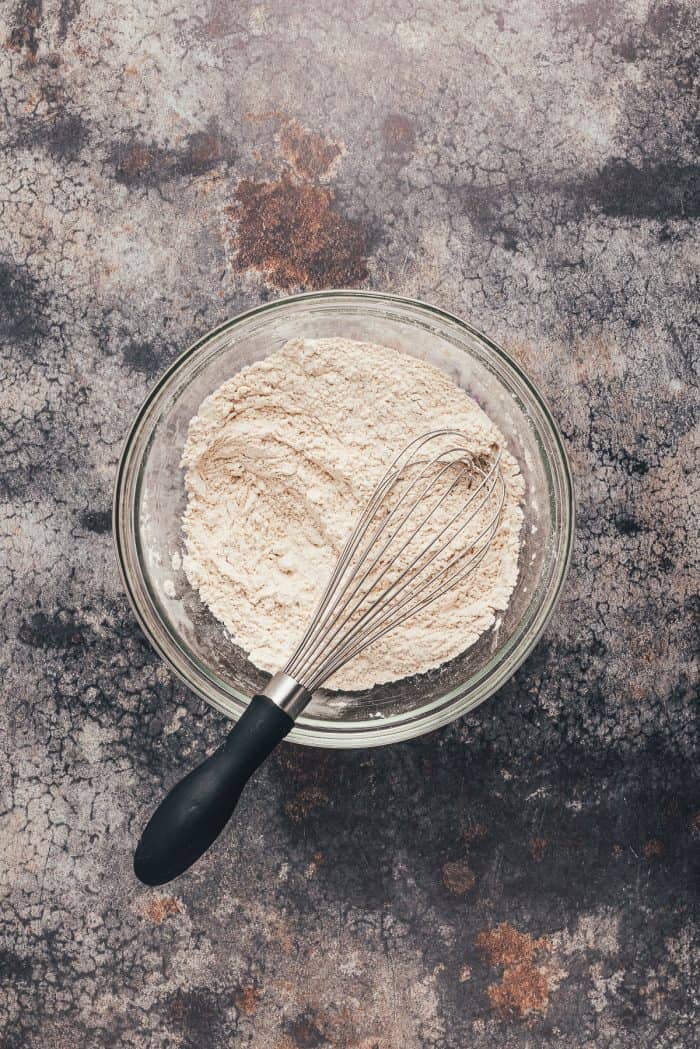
150,498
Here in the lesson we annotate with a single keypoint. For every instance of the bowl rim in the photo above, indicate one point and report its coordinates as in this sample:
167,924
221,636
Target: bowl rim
379,732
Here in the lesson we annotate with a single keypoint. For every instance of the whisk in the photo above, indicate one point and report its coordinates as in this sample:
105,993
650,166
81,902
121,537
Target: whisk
428,525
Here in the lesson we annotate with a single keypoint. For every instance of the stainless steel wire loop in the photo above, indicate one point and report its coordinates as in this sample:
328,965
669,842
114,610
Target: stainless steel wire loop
429,524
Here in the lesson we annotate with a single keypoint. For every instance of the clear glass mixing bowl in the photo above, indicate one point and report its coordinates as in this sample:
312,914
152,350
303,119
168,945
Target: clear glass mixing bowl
150,498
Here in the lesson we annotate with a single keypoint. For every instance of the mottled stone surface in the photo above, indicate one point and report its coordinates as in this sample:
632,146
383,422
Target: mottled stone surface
524,877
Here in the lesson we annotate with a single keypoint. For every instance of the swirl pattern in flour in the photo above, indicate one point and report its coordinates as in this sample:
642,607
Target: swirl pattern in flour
279,462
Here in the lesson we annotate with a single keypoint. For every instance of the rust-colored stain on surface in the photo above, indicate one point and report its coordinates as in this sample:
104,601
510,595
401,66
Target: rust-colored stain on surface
338,1027
458,877
205,150
311,777
474,832
653,849
304,767
246,999
538,847
159,908
24,31
259,118
309,154
135,160
305,801
523,988
398,134
295,236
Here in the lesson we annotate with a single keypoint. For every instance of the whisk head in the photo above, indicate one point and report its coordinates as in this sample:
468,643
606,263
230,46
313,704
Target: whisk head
428,525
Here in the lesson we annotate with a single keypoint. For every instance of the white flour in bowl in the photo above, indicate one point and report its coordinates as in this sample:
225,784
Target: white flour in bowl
279,462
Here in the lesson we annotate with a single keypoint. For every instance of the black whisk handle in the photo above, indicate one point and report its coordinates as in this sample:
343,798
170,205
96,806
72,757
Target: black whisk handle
198,808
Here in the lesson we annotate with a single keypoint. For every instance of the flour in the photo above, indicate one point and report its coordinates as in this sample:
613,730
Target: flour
279,462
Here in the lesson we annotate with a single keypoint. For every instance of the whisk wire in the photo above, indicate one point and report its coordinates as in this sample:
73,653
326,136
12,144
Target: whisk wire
331,620
341,626
341,658
384,600
332,594
351,644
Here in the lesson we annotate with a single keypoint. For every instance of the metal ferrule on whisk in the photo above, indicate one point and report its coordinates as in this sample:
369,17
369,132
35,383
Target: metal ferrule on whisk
287,694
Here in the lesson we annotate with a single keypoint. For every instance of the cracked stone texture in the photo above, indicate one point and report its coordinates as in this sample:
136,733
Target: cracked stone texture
526,876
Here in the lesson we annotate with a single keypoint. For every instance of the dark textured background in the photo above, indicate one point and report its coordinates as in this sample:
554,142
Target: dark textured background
524,877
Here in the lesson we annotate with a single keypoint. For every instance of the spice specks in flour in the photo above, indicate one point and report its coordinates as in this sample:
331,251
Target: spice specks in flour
279,462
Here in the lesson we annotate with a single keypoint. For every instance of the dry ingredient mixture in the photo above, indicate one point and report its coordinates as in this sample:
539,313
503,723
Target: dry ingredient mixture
279,462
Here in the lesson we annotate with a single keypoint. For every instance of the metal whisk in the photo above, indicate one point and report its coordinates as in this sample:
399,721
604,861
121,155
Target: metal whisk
428,525
364,599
